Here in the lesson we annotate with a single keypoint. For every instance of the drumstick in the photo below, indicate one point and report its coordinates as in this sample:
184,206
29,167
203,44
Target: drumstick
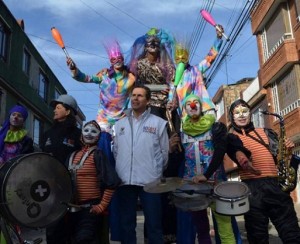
212,182
172,127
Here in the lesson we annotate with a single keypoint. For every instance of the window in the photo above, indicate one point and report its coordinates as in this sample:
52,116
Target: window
276,30
36,131
285,91
56,94
43,86
220,108
26,62
297,4
257,118
4,36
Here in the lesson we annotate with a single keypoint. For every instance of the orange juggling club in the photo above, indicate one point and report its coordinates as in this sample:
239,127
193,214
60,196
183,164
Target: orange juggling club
58,38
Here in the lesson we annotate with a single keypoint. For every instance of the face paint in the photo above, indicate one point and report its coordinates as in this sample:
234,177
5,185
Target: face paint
193,108
16,119
152,44
241,115
90,134
181,55
117,62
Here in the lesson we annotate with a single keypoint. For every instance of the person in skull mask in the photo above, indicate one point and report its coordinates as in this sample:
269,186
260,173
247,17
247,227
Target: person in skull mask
267,200
152,64
89,168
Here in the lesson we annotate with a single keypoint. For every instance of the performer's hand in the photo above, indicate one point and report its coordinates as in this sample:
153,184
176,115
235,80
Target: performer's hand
172,105
173,142
219,33
96,209
166,91
199,178
246,164
71,64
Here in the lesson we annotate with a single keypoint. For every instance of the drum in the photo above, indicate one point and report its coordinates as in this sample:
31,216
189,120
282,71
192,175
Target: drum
232,198
32,188
193,197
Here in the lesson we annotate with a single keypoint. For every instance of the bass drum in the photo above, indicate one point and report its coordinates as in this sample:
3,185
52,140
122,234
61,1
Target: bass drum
32,190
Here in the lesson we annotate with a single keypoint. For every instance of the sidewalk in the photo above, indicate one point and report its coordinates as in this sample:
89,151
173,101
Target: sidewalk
30,235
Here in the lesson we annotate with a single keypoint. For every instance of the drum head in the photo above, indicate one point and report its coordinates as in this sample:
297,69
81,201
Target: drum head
191,190
33,188
231,189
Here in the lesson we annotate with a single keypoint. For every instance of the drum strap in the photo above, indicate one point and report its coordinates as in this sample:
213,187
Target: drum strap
82,160
197,157
74,167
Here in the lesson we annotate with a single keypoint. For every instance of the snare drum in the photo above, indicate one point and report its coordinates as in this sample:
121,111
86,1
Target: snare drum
32,188
232,198
193,197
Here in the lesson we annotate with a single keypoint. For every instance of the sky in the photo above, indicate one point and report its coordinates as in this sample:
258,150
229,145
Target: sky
86,24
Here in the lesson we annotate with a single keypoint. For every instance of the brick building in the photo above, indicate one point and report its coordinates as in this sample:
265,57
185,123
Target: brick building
276,25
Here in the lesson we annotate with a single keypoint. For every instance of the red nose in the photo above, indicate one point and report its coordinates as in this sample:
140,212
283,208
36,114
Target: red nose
193,105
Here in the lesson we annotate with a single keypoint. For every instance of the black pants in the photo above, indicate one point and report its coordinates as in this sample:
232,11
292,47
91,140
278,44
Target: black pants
58,232
268,201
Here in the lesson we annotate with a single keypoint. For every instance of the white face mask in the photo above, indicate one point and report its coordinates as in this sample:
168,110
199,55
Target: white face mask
16,119
241,115
90,134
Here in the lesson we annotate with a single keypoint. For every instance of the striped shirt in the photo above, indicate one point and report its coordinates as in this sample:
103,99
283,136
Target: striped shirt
88,186
262,158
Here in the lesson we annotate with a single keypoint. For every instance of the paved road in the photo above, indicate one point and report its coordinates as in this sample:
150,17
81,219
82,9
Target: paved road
274,239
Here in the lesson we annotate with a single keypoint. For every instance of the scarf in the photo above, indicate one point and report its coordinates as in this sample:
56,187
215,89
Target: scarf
15,136
197,128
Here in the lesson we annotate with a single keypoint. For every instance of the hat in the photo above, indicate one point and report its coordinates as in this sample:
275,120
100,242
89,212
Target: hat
66,100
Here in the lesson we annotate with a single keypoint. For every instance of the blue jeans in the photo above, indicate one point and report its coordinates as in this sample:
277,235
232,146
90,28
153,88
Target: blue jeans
151,204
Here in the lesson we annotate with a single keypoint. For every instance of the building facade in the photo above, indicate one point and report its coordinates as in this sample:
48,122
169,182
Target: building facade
276,25
25,78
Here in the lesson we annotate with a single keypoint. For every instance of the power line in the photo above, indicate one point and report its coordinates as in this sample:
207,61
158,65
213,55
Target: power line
69,47
116,26
242,20
130,16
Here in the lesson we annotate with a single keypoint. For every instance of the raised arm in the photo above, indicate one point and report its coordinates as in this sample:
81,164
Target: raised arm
205,64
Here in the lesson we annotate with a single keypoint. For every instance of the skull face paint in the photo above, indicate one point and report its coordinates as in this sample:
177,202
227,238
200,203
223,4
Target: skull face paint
152,44
241,115
90,134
